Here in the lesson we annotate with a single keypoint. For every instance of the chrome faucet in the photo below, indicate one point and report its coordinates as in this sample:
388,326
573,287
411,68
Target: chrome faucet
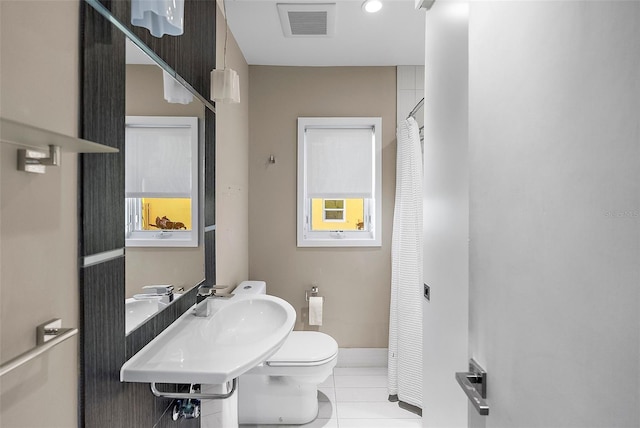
164,292
202,305
204,293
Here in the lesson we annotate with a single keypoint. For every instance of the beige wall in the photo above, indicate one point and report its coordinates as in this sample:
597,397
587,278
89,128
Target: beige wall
232,174
354,281
181,267
38,217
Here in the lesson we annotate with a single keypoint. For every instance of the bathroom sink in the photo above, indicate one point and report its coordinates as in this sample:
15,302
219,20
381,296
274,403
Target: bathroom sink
239,333
137,311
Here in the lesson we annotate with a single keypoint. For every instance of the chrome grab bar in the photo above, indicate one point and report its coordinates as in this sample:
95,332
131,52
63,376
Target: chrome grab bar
48,335
474,384
196,395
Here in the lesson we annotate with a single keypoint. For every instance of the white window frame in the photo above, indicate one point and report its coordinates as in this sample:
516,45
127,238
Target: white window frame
372,235
170,238
343,210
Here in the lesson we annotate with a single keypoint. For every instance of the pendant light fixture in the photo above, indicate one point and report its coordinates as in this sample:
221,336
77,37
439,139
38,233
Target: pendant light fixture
160,17
225,82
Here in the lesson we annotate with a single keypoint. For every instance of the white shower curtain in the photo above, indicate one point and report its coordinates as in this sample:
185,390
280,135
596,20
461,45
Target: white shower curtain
405,323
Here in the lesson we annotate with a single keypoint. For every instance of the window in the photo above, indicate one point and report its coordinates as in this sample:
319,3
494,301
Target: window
161,181
333,210
339,181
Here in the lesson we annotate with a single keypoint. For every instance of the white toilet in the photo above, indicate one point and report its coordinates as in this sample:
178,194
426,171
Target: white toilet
284,389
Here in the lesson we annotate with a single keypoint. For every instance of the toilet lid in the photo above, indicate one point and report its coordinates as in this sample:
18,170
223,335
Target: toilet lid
305,348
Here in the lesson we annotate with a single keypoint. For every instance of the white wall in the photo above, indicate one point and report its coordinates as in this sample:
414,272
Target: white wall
554,138
410,84
446,217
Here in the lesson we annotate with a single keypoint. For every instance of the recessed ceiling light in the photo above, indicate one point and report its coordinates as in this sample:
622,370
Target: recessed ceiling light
372,6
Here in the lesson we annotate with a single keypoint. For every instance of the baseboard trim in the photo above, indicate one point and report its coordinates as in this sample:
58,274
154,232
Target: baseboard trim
363,357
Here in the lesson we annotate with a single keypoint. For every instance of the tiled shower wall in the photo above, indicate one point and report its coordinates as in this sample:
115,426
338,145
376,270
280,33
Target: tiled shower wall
410,90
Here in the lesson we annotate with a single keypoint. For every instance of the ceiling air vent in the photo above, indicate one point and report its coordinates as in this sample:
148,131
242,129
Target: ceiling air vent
307,19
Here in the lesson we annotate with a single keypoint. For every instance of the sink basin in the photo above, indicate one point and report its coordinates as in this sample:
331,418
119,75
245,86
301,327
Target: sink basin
137,311
240,332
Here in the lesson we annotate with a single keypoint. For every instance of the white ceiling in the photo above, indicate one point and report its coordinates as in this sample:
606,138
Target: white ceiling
393,36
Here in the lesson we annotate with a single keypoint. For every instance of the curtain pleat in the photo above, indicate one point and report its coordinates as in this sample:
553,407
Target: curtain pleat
405,321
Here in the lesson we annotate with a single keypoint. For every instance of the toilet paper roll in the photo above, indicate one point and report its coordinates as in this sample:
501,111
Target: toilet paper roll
315,310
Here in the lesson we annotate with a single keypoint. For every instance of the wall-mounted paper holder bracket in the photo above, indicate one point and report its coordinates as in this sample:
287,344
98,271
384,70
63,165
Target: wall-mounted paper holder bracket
36,161
312,293
474,384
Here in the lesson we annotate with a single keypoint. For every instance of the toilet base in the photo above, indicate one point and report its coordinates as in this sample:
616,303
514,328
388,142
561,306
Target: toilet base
276,400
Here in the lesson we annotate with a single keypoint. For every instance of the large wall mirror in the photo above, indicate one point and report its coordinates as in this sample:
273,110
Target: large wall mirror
151,93
110,273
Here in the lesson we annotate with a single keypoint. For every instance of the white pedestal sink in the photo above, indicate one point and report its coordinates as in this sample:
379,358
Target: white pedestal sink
239,333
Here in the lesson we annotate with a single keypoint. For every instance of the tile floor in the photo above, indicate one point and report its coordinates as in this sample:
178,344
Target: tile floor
358,398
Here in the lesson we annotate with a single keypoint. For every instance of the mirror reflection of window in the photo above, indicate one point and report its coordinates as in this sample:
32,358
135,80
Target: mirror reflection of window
158,214
161,181
151,91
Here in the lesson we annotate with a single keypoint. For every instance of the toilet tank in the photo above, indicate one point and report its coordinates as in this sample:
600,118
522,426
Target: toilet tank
251,287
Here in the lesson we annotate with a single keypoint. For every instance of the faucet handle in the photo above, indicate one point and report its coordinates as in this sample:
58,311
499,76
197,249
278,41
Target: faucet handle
210,290
205,291
202,306
219,287
159,289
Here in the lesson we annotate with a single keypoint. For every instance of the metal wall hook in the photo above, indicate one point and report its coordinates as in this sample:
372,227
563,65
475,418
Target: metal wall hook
36,161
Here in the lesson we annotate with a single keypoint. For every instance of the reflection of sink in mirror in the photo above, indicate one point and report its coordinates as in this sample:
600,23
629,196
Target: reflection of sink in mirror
137,311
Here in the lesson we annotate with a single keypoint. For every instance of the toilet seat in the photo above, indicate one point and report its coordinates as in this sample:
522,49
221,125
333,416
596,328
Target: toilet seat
304,349
305,354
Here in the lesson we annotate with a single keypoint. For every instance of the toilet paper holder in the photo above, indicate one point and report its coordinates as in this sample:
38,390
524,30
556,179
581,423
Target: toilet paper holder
312,293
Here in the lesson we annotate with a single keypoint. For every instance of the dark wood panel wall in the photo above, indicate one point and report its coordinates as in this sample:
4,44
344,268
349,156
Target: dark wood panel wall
102,120
104,401
210,204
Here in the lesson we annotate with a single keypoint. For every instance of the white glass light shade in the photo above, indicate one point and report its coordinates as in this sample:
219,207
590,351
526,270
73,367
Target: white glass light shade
160,17
174,92
225,86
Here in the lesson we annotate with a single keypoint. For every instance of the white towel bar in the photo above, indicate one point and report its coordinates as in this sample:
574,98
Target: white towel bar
48,335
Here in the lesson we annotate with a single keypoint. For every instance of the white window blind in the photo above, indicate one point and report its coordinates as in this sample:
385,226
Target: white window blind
340,162
339,159
158,162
